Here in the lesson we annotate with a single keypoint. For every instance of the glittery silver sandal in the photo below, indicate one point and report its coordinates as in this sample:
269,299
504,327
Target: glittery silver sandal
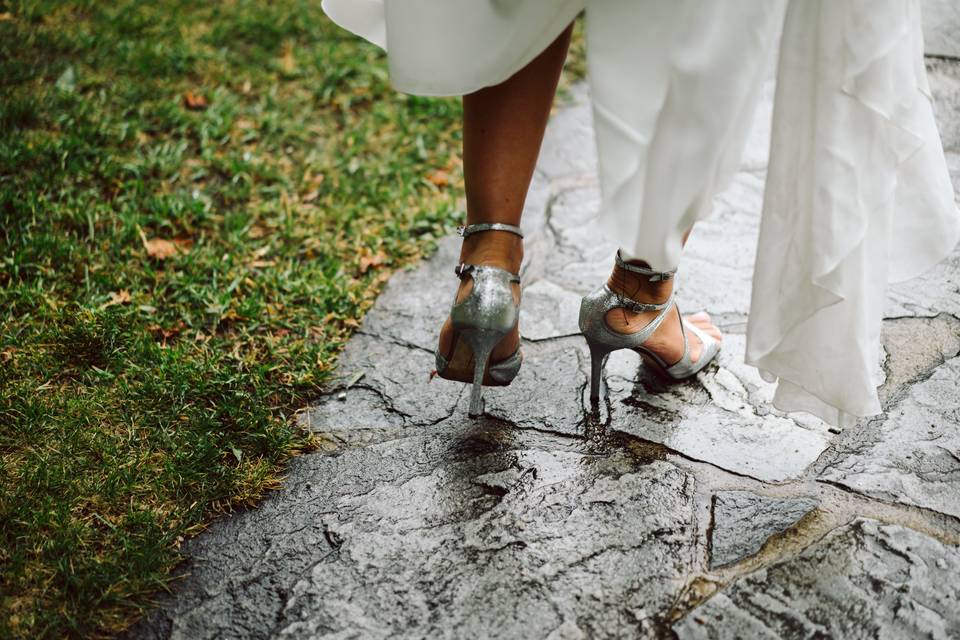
480,321
603,340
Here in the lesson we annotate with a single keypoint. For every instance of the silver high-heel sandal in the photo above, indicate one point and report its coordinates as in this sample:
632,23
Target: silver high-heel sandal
480,322
603,340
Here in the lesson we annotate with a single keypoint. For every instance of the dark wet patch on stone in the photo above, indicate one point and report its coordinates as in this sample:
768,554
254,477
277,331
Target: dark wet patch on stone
595,545
743,521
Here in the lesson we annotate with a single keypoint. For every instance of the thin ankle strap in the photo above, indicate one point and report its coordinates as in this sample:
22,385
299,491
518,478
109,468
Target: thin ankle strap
653,276
469,230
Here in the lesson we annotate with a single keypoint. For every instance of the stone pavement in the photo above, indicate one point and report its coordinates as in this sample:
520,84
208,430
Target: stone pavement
691,511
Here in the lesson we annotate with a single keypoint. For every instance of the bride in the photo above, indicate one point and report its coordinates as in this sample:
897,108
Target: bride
857,192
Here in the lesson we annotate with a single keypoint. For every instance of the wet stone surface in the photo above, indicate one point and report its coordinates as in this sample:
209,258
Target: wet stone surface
642,516
865,580
743,521
557,540
911,455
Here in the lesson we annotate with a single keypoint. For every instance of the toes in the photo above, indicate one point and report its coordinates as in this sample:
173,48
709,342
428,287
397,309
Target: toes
708,328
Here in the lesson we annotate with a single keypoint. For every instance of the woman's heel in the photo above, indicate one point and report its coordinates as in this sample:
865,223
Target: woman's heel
598,359
482,319
481,344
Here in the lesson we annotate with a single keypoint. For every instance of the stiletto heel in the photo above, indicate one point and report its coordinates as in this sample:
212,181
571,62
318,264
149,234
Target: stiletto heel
598,359
602,340
480,321
481,344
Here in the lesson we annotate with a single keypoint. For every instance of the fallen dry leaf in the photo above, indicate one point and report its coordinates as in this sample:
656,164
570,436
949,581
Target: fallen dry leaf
194,101
371,260
310,197
288,63
164,333
161,249
6,16
120,297
439,178
117,297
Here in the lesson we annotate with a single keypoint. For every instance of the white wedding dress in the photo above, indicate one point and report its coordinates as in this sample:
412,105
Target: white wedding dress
857,191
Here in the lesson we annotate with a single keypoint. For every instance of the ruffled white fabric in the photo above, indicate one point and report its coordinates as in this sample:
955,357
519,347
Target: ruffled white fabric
454,47
857,192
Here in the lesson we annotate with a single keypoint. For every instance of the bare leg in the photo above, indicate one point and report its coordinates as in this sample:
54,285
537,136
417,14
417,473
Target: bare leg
503,128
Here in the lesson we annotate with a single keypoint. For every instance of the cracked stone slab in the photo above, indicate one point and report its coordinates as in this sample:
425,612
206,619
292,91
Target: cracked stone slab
355,409
864,581
743,521
719,418
400,376
546,396
442,536
548,311
911,455
935,291
914,347
543,542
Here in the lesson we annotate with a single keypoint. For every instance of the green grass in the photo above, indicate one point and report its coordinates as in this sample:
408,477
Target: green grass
140,396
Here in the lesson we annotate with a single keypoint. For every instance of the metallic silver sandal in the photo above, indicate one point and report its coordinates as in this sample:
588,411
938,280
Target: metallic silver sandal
482,320
603,340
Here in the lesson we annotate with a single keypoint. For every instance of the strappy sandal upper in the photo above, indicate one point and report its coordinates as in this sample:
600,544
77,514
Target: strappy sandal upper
602,340
483,318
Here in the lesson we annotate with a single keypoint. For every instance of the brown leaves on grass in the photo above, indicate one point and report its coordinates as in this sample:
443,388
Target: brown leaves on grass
369,259
194,101
287,61
117,297
313,183
439,178
161,249
163,334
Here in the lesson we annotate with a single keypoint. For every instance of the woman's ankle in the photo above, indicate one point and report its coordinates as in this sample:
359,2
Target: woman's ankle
495,249
638,287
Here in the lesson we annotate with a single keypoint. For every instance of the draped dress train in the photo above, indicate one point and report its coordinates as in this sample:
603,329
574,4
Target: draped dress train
857,192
